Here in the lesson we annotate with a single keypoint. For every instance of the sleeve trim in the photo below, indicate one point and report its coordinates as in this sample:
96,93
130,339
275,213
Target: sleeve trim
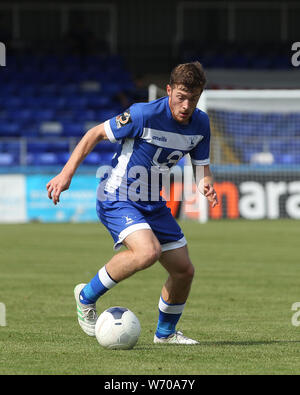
200,162
109,132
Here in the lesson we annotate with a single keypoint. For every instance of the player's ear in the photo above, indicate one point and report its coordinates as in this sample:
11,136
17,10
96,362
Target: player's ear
169,90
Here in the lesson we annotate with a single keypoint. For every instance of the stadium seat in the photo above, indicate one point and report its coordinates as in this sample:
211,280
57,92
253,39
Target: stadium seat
76,102
284,159
105,114
7,159
21,115
94,159
12,147
13,102
46,158
30,130
63,157
52,128
48,89
106,146
9,129
3,115
37,147
98,101
40,115
106,157
73,129
81,116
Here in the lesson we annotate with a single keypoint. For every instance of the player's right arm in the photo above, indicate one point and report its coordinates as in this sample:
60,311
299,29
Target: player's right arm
63,180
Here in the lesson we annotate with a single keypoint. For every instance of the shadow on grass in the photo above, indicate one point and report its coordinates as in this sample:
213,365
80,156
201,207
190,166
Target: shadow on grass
247,343
218,344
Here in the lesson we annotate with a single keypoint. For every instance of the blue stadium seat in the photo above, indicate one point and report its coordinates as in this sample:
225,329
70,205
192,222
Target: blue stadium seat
71,89
64,115
94,159
278,146
4,116
105,114
57,146
63,157
12,147
12,102
51,128
26,90
73,129
48,89
40,146
20,115
76,102
10,129
109,88
106,146
7,159
98,101
40,115
32,102
87,115
37,147
45,158
106,158
30,130
284,159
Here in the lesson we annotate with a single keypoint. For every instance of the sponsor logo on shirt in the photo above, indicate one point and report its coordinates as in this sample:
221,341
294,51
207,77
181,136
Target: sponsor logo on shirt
164,139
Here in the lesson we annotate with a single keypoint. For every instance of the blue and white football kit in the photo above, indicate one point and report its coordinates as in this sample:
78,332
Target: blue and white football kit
128,199
151,142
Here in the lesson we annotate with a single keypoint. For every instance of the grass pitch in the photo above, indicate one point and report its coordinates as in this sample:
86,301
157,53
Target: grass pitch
247,278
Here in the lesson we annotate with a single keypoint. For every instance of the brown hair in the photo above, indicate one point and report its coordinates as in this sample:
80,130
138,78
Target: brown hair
190,75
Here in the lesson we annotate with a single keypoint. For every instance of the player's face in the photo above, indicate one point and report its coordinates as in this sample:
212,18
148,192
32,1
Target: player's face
182,102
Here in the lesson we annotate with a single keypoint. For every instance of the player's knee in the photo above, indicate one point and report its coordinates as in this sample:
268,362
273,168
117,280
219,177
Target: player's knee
186,274
148,255
190,272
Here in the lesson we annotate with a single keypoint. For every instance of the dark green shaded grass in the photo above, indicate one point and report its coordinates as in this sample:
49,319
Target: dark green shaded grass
247,278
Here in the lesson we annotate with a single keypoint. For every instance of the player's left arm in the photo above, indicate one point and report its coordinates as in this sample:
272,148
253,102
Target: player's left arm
204,182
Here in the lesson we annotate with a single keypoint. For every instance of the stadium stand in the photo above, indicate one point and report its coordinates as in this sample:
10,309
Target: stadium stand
48,102
248,55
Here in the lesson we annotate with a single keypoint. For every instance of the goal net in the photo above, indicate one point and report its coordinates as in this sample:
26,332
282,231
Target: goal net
255,154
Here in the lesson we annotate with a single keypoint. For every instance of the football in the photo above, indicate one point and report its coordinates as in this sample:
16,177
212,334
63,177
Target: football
118,328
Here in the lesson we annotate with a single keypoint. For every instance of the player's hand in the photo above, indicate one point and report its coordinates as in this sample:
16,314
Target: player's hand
57,185
211,195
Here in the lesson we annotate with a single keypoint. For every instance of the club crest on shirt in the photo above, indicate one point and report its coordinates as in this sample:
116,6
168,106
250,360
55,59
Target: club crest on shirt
123,119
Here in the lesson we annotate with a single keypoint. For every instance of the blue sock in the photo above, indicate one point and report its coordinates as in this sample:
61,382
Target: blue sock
99,284
169,315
